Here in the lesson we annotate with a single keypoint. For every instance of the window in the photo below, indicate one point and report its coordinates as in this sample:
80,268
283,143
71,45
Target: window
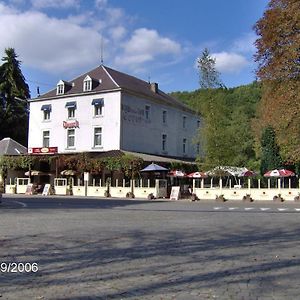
60,89
97,136
46,115
70,138
164,116
184,122
164,142
87,84
71,106
147,112
98,107
184,146
46,111
46,138
97,110
71,112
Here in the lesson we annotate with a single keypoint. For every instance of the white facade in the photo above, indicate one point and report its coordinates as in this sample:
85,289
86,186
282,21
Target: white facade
108,121
112,119
142,134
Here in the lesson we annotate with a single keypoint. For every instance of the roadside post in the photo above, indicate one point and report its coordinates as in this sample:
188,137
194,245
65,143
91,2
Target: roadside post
86,181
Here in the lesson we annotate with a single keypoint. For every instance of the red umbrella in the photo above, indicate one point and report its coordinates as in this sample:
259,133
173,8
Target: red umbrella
247,173
279,173
197,175
176,173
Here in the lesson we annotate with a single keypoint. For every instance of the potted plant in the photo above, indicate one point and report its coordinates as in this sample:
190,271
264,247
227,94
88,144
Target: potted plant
220,198
247,198
194,197
278,198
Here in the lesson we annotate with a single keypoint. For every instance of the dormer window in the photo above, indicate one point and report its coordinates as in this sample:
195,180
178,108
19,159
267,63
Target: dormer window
60,90
87,84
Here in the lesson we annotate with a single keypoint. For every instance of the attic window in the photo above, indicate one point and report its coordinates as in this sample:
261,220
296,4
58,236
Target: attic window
87,84
60,88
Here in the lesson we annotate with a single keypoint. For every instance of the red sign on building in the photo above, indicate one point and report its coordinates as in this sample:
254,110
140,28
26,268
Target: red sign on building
43,150
70,124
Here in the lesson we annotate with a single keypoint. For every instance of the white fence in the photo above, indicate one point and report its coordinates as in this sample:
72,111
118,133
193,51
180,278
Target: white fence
237,191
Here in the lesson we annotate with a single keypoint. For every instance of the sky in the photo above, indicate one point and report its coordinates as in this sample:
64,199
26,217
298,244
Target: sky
158,40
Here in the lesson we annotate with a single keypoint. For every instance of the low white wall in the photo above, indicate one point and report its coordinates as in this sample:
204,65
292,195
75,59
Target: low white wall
238,194
119,191
96,191
60,190
78,190
10,189
143,192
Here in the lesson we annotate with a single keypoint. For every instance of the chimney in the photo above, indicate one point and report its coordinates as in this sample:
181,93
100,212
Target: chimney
154,87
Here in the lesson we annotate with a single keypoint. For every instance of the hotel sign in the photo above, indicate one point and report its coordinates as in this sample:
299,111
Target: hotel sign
43,150
71,124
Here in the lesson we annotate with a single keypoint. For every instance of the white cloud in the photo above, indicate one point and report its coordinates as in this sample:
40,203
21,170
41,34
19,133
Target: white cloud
48,43
40,4
117,33
145,45
230,62
65,46
245,44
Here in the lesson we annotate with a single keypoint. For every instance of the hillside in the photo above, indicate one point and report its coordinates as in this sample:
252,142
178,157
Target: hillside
226,136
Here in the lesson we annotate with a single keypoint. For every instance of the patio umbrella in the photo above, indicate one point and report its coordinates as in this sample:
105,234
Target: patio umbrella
279,173
68,173
36,173
154,168
247,173
197,175
176,173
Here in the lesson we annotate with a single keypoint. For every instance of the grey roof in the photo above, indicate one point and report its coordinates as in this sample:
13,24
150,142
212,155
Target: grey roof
9,146
106,79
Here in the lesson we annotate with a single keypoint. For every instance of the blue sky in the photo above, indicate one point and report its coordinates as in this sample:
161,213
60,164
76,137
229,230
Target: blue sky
160,40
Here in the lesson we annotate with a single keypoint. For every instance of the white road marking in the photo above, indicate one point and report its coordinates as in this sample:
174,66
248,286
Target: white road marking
249,208
264,208
20,203
282,209
218,208
297,209
232,208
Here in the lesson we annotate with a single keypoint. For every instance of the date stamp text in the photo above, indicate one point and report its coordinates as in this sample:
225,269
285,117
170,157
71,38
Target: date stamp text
18,267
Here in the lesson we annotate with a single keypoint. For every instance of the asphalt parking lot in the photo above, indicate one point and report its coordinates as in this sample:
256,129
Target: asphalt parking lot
133,249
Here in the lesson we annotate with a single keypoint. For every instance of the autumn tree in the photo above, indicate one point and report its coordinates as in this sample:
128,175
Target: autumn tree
278,56
13,87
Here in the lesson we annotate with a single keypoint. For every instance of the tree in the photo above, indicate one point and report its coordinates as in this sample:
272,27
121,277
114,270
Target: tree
278,55
209,77
226,136
13,112
270,157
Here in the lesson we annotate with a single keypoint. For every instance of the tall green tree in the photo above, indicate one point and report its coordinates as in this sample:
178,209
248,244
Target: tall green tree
13,112
214,135
278,55
270,156
209,77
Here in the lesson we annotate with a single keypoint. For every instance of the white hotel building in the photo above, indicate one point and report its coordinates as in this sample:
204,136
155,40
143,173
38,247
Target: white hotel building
105,110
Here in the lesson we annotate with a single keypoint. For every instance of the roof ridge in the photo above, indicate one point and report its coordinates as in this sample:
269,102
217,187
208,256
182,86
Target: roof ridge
128,75
109,75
